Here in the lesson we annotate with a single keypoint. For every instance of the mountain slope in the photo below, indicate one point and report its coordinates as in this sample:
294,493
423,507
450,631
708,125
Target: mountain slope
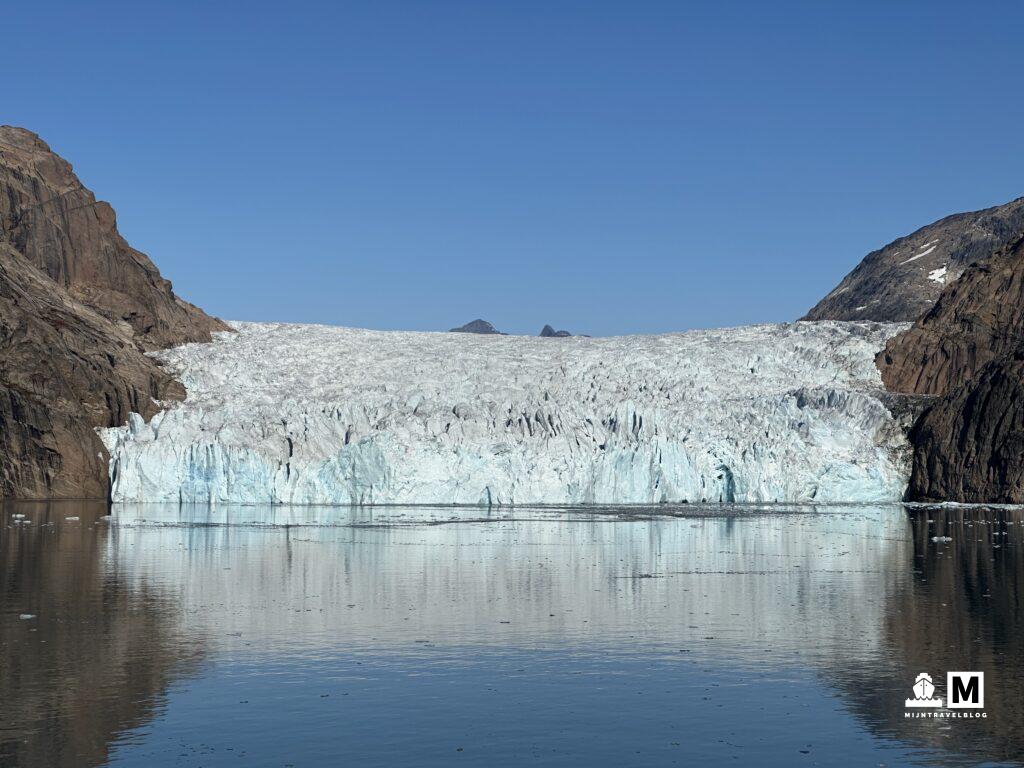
78,309
976,319
56,224
901,281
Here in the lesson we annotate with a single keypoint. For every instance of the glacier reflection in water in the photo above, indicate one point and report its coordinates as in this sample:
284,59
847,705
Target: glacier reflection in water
430,636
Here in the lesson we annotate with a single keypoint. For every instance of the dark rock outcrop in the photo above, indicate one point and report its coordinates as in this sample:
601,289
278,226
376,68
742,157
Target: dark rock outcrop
901,281
548,332
969,446
78,309
476,326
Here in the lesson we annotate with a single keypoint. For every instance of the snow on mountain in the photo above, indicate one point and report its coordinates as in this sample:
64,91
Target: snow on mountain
896,283
316,414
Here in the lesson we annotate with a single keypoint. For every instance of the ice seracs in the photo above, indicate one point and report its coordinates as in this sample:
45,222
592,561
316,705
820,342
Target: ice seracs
317,414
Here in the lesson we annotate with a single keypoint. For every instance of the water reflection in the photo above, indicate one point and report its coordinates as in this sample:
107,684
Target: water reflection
963,609
100,650
828,614
534,576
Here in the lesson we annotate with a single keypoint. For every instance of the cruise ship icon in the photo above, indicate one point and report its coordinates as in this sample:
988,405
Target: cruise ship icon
923,690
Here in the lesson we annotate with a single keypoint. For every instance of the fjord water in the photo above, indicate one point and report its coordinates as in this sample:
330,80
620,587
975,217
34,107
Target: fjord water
455,636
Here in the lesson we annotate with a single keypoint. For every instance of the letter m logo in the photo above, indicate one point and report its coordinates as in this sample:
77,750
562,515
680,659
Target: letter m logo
965,690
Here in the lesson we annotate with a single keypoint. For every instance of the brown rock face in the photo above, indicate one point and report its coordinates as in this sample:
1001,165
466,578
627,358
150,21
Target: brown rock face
78,307
969,446
898,283
977,319
969,351
58,225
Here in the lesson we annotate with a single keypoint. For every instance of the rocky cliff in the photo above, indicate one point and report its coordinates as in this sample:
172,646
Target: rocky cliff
902,281
78,309
977,319
969,446
59,226
968,350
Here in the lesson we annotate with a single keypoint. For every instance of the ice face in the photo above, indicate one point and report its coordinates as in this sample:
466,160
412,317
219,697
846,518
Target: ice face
308,414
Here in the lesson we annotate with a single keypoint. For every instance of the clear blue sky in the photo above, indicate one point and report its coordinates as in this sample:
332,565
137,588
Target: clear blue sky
607,167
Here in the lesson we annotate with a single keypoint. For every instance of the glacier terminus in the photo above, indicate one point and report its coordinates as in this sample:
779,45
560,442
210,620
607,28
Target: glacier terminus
310,414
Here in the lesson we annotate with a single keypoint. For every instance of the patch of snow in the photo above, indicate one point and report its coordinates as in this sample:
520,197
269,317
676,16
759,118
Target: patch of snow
923,253
308,414
938,275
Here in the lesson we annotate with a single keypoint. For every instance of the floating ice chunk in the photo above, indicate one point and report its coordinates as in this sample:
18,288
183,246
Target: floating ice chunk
26,616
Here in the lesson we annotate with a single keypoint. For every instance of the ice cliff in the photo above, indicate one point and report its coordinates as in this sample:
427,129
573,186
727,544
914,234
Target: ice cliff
316,414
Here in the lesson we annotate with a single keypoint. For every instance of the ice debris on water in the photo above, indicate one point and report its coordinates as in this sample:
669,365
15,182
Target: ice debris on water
26,616
308,414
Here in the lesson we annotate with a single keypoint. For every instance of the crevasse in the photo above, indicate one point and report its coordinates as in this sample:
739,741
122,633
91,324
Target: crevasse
308,414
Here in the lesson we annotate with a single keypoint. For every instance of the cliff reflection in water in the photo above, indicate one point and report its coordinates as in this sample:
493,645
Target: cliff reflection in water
859,598
963,609
97,658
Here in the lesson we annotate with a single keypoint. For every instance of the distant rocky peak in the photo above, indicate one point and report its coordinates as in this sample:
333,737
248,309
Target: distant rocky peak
477,326
548,332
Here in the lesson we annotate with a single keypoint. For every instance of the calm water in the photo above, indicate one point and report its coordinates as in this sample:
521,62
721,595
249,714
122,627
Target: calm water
413,636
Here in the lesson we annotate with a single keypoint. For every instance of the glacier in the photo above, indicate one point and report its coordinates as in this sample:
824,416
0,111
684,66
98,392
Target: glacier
311,414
